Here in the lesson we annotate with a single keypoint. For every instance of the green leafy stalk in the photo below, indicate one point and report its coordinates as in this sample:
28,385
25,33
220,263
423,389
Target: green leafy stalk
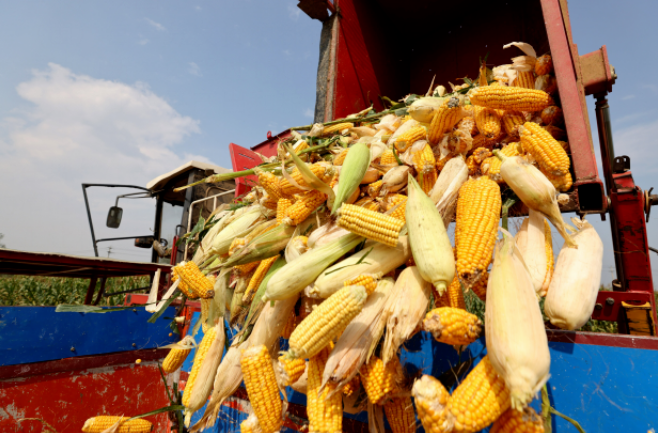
505,211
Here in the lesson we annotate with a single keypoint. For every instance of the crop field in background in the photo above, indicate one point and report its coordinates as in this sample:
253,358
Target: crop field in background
18,290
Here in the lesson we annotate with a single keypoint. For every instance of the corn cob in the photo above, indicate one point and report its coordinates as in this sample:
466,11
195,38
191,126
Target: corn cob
304,207
257,278
468,123
201,352
321,170
292,369
205,307
453,326
525,79
388,158
552,116
423,158
480,287
405,140
427,179
242,270
546,83
444,120
368,203
352,386
491,165
182,286
281,207
175,359
548,153
378,380
340,158
511,122
236,245
478,214
473,166
398,200
513,421
550,259
374,188
353,171
291,324
488,122
262,388
454,297
556,133
324,408
370,224
561,183
369,281
327,321
99,424
271,184
250,425
400,415
544,65
479,400
268,203
198,283
510,98
431,399
338,127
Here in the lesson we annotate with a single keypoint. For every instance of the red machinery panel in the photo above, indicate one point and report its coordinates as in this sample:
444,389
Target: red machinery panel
243,159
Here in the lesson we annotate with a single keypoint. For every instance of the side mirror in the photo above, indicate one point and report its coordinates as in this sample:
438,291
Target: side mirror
114,217
144,242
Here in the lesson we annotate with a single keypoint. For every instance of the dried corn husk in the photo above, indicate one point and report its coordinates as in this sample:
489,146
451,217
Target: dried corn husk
372,259
404,310
295,248
354,169
531,242
293,277
516,338
241,226
424,109
329,232
409,124
394,180
575,284
372,174
223,219
445,190
430,244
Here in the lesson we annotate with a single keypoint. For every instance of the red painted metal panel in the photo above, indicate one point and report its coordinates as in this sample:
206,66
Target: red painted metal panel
596,339
243,159
612,312
268,147
65,400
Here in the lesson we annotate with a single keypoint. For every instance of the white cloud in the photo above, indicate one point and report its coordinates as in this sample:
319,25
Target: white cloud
143,41
637,142
293,11
159,27
309,113
81,129
194,69
627,97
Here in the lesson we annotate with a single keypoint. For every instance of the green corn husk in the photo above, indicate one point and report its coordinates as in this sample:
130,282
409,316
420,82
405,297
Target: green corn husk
430,245
295,276
354,169
309,177
206,243
241,226
257,303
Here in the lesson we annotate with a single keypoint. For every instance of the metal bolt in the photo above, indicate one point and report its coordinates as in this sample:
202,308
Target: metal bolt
135,310
610,302
134,345
72,349
598,306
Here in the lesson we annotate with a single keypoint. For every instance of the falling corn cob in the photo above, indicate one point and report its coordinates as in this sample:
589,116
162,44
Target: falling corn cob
324,405
262,388
478,214
281,207
404,141
291,369
369,281
378,380
303,207
514,421
431,399
326,322
99,424
271,184
201,352
370,224
338,127
488,122
444,120
400,414
453,326
257,278
479,400
198,283
510,98
176,357
548,153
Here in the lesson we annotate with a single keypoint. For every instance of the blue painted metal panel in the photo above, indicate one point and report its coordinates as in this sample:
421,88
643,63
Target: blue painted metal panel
35,334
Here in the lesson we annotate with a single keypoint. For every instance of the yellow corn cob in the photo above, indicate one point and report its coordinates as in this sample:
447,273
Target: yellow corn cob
269,203
488,122
242,270
431,400
300,145
262,388
443,161
400,415
453,326
552,116
491,165
468,123
250,425
292,369
473,167
304,207
99,424
404,141
481,153
320,170
201,351
561,183
525,79
352,386
478,214
556,133
369,281
510,98
325,414
271,184
481,141
205,307
427,179
340,158
370,224
544,65
257,278
368,203
548,153
511,122
281,207
182,286
327,321
550,260
338,127
378,380
480,287
374,188
455,295
514,421
198,283
175,358
479,400
423,159
388,158
444,120
236,244
393,200
291,324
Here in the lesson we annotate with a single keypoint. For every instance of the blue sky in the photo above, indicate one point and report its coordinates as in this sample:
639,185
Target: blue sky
123,91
